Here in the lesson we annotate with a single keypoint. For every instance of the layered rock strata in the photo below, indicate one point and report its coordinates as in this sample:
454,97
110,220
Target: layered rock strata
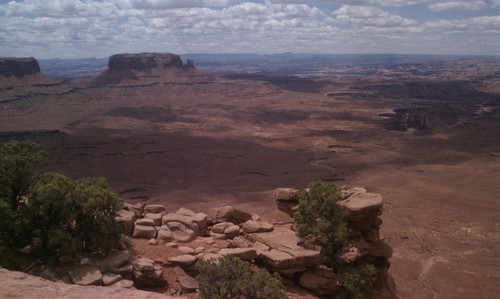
18,67
145,61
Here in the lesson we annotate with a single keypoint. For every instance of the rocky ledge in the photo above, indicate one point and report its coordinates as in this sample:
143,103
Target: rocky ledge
225,231
18,67
22,285
146,61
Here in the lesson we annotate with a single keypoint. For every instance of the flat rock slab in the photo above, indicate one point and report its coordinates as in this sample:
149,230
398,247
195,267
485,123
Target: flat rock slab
252,226
285,240
185,261
286,194
144,232
278,259
117,258
86,275
362,202
21,285
154,209
187,282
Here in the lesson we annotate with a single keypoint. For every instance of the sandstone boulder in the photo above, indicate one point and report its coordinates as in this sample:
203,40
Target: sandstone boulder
85,275
322,282
277,259
232,231
126,271
196,222
116,259
156,217
125,220
109,279
155,209
164,235
185,261
146,274
145,222
137,209
362,203
186,250
219,228
229,214
180,232
124,284
285,240
257,226
286,194
187,282
144,265
144,232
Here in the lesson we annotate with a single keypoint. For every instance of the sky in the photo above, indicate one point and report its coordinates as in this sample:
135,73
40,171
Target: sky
99,28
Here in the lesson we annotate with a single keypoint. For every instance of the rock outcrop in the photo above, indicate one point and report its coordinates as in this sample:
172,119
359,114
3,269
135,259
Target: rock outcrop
362,212
22,76
22,285
18,67
421,118
145,68
144,61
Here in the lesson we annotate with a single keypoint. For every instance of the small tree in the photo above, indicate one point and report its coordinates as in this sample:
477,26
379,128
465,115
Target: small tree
52,214
231,277
69,216
18,162
320,219
359,280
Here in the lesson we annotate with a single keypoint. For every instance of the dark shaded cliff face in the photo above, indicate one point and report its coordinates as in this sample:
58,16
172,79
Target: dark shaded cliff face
422,118
18,67
143,61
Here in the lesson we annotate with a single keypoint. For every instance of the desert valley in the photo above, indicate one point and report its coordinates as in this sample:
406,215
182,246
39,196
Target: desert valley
422,131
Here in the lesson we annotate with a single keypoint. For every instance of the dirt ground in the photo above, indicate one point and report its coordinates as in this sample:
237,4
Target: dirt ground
222,142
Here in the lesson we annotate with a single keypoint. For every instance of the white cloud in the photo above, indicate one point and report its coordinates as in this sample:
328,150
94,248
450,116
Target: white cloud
465,5
370,16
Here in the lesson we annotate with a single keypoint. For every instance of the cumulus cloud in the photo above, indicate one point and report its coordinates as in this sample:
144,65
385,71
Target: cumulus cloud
466,5
370,16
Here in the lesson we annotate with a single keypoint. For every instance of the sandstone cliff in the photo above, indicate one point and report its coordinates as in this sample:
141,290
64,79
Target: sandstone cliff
144,61
18,67
145,68
21,76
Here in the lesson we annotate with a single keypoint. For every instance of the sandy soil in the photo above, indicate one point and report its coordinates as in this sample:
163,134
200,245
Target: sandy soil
218,142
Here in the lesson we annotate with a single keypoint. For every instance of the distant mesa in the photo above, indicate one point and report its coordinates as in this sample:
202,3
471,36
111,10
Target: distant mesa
21,72
145,61
18,67
146,67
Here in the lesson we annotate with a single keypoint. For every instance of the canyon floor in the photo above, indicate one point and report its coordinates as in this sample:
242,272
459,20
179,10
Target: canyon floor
209,141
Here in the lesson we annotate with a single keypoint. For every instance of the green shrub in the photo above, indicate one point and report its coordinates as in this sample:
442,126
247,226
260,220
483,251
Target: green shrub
18,162
231,277
51,215
359,280
320,219
70,216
